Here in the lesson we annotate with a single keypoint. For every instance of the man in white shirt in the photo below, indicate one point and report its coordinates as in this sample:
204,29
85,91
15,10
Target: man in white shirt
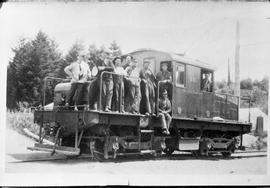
79,72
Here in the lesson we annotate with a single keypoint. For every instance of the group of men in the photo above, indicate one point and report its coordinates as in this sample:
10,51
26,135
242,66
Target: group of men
124,88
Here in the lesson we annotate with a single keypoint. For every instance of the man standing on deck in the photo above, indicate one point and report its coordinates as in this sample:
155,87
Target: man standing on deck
107,85
118,82
148,88
79,72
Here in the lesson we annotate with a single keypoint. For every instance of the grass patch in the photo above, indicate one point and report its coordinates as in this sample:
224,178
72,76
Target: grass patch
20,120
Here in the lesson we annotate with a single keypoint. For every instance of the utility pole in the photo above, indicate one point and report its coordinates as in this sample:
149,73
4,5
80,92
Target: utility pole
236,60
229,74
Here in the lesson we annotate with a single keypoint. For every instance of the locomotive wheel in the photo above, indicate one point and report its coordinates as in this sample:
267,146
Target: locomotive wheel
168,150
98,150
99,157
196,153
170,146
226,154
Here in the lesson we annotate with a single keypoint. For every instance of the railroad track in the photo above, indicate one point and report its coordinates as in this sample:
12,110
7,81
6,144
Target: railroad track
178,155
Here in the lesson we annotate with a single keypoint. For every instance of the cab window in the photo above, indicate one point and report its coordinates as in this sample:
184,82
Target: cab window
169,64
180,74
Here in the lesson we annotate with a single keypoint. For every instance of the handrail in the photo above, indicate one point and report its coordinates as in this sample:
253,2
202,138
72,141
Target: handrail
228,94
101,79
157,106
53,78
239,98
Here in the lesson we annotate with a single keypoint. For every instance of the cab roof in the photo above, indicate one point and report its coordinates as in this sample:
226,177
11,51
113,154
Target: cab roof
180,58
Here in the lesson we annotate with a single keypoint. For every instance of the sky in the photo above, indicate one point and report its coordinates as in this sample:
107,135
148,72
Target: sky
201,30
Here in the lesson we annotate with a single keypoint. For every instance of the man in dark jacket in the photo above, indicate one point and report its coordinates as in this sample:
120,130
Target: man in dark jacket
165,78
133,96
107,86
148,88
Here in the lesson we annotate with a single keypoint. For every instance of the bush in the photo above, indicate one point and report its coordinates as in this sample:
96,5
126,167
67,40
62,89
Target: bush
20,120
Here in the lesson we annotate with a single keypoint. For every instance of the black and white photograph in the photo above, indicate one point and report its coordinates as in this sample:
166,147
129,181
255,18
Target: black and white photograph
134,92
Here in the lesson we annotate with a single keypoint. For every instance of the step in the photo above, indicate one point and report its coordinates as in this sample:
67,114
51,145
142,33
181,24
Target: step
57,149
147,151
147,131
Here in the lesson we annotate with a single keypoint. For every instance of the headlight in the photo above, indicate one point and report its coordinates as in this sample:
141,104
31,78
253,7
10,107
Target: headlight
94,71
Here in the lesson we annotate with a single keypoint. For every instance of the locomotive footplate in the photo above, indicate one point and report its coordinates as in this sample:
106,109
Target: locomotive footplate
70,151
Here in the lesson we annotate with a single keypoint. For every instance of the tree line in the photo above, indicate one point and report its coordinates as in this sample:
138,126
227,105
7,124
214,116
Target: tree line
36,58
255,89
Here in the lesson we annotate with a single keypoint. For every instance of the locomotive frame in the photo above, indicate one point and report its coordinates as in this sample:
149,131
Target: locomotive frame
194,128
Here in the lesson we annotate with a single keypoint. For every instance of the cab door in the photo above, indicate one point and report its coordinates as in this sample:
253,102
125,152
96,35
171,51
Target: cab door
179,90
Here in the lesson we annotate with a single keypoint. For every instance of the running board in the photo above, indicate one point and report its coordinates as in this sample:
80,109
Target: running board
147,151
71,151
147,131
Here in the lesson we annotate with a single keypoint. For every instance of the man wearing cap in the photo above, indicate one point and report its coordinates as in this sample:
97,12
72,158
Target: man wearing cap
118,91
148,88
165,78
79,72
133,96
165,109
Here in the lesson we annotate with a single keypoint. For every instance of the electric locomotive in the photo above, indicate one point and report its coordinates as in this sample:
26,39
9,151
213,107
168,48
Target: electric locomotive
203,122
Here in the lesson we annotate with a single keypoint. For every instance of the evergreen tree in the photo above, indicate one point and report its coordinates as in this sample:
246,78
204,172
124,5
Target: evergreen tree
115,49
32,62
94,55
69,58
246,84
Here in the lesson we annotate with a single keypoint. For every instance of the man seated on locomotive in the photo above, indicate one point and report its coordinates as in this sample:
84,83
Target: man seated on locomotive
147,88
133,96
164,109
107,85
207,83
118,91
165,78
79,72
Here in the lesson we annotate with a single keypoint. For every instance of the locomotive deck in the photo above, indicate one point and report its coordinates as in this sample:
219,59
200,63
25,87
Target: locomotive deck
86,119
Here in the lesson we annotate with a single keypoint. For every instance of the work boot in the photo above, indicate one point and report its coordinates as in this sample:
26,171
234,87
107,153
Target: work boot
164,131
107,110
